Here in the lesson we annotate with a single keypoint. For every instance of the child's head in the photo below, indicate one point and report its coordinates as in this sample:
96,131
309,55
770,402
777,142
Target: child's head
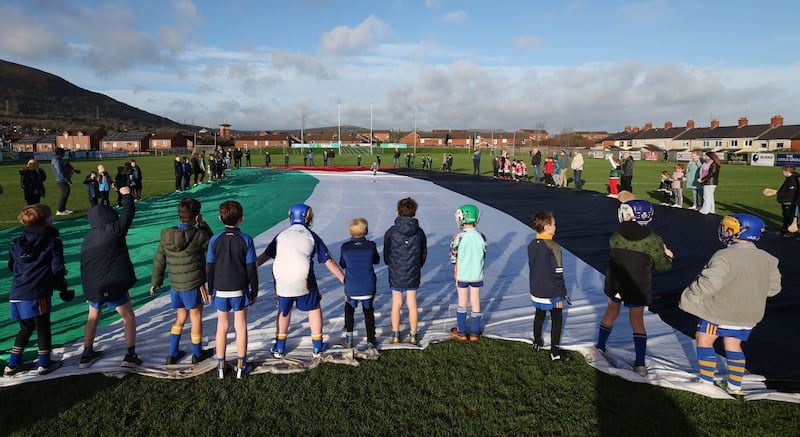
679,167
788,170
544,222
33,164
665,173
231,213
467,215
740,227
120,169
189,209
93,174
101,168
301,214
35,215
640,211
407,207
358,227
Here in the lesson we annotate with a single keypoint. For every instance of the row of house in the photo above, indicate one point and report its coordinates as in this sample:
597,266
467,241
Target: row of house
743,138
99,139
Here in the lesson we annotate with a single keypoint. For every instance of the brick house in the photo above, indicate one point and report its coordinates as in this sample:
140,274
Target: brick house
262,141
46,144
79,139
167,140
25,144
129,141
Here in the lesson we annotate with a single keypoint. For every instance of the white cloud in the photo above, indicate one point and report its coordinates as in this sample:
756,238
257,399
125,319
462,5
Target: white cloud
454,17
29,38
303,64
345,40
527,42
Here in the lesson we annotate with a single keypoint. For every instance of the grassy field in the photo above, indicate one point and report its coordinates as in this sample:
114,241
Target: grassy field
739,190
491,387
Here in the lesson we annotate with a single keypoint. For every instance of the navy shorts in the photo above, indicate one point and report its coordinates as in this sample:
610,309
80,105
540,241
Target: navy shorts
473,284
111,304
627,305
306,302
238,303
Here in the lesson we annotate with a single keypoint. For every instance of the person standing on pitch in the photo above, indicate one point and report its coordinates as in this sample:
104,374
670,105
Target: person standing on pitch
468,253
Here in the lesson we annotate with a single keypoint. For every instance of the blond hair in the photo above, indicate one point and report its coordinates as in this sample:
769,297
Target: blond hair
358,227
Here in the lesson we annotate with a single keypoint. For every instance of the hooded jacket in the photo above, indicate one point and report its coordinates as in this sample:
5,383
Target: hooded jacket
635,251
182,252
787,193
405,249
106,268
36,260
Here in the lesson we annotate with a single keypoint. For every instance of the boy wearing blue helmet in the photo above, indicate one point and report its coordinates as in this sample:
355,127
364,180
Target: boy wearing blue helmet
729,297
635,251
294,250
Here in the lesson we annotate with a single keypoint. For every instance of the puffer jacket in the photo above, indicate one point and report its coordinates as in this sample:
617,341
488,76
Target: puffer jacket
36,259
405,249
182,252
106,268
635,251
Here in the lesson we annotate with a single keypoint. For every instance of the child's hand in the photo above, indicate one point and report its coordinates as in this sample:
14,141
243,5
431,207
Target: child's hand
153,290
667,251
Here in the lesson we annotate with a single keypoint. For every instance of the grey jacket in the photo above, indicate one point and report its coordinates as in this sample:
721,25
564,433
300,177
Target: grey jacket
733,286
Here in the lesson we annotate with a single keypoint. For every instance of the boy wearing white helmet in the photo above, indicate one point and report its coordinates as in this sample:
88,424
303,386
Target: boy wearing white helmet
635,251
729,297
468,252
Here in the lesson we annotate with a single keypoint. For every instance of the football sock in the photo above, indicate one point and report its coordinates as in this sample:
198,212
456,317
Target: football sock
602,336
280,342
132,349
475,323
44,358
736,364
349,317
220,363
241,362
15,357
707,361
174,340
555,329
640,346
461,319
538,325
316,341
197,344
369,321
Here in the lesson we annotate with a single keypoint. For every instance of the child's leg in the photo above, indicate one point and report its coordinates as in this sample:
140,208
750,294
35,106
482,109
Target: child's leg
240,327
639,334
196,317
475,306
44,338
736,361
397,303
223,324
90,330
413,313
26,327
369,320
129,323
607,323
175,333
706,357
315,325
555,330
282,330
538,326
349,318
461,311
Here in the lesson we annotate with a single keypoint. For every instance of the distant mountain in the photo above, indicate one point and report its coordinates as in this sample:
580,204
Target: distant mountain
33,97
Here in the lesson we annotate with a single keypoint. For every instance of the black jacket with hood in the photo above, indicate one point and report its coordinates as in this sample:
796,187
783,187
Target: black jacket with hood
106,267
404,251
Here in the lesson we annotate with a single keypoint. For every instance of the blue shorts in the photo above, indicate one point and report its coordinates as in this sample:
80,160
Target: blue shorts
186,299
111,304
627,305
29,309
474,284
225,304
402,290
367,303
714,329
540,304
306,302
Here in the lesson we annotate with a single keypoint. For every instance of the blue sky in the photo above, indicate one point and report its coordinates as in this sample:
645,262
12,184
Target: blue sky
560,65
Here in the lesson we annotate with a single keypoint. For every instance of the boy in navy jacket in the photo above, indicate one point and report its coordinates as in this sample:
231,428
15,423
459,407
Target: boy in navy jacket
357,258
36,259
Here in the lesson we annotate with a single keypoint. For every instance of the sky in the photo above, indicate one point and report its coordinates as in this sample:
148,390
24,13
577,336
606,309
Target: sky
427,64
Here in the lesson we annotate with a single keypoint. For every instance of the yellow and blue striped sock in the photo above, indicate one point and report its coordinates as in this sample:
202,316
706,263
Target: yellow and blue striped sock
707,361
197,344
736,364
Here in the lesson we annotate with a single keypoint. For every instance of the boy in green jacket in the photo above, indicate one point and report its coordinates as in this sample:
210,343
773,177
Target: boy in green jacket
182,252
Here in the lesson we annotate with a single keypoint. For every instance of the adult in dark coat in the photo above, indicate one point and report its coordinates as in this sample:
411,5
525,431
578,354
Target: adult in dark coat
31,179
536,161
626,172
177,167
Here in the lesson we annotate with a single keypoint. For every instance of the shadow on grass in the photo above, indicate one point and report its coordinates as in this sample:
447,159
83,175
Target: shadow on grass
24,405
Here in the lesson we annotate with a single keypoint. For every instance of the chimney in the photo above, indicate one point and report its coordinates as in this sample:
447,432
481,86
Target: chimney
776,121
668,125
627,128
690,124
743,122
714,123
648,126
636,129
